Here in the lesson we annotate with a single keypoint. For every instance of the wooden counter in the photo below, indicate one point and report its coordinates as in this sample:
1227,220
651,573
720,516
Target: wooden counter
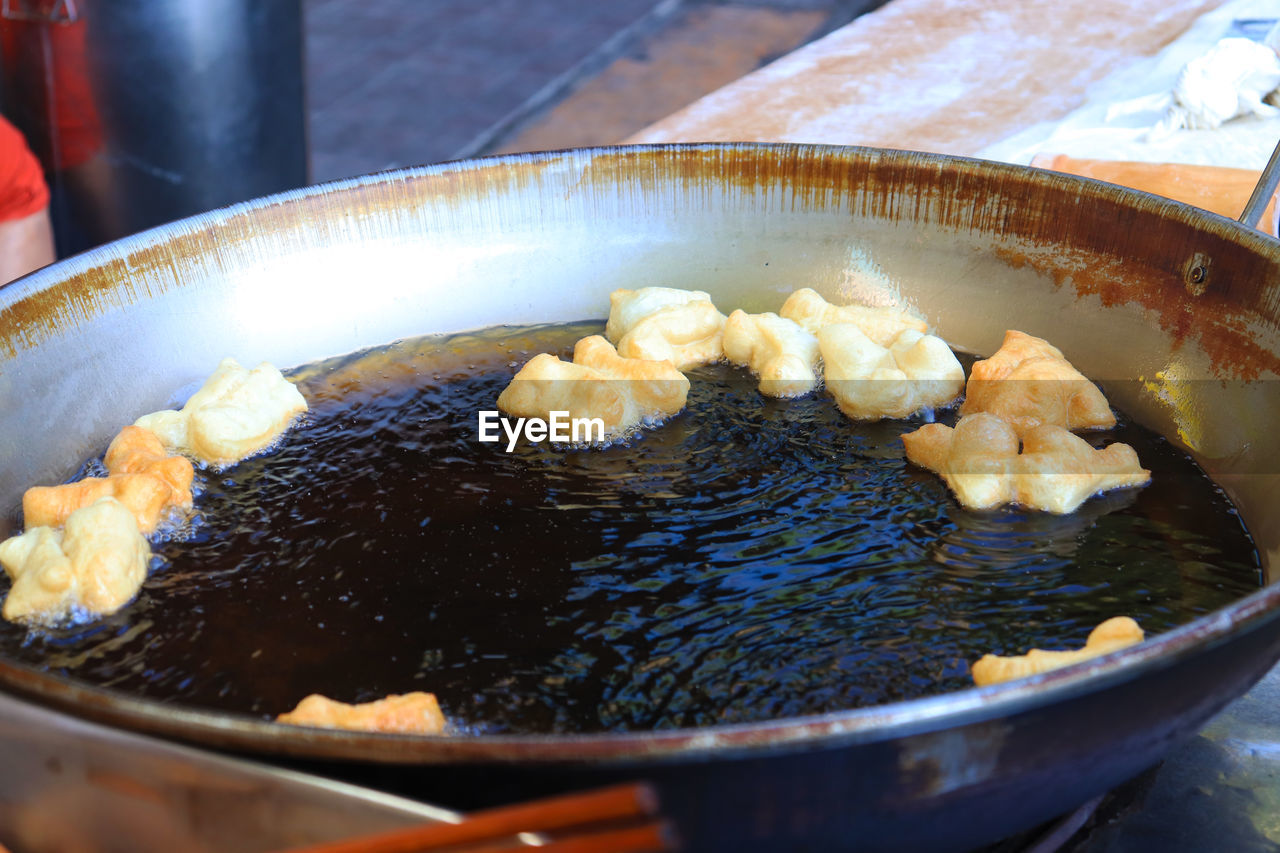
948,76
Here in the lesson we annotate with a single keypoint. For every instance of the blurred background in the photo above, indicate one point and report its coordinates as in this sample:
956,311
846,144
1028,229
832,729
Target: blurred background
145,111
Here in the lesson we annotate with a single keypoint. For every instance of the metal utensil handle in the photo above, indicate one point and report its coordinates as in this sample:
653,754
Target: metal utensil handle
1263,191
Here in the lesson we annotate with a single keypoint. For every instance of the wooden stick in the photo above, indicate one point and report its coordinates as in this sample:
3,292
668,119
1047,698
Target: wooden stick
549,815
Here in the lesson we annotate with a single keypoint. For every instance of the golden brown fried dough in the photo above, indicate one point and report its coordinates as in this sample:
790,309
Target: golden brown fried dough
779,351
666,324
145,496
1028,382
411,713
1114,634
235,414
1055,472
139,451
144,478
870,381
598,383
96,564
882,325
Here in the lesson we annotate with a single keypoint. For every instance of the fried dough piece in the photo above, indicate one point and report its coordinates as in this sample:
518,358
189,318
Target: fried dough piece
1059,470
977,459
1055,472
145,496
140,451
1114,634
598,383
663,323
870,381
882,325
1028,382
144,478
410,713
779,351
235,414
96,564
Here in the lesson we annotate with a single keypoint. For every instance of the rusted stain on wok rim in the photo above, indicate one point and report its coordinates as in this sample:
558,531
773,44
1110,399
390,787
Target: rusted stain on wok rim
949,193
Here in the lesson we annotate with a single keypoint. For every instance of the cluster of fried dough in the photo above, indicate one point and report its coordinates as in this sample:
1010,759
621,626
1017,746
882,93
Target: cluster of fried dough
1013,443
598,383
1055,471
781,352
411,713
235,414
143,477
97,563
1112,635
683,329
878,362
666,324
869,381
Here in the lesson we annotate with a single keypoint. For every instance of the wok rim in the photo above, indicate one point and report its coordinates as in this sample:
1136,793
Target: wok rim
851,726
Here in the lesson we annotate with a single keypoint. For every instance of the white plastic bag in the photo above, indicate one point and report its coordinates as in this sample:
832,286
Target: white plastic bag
1231,80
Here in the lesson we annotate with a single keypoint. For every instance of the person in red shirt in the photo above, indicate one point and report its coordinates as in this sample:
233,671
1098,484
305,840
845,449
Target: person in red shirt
26,235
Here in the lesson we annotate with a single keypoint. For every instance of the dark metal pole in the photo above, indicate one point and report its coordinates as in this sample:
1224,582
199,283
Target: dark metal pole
145,111
1263,192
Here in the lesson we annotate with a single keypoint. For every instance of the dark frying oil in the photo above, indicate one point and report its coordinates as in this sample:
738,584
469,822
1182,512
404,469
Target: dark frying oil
751,559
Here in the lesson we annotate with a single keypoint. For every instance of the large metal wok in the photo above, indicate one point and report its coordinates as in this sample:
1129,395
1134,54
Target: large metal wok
1174,308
